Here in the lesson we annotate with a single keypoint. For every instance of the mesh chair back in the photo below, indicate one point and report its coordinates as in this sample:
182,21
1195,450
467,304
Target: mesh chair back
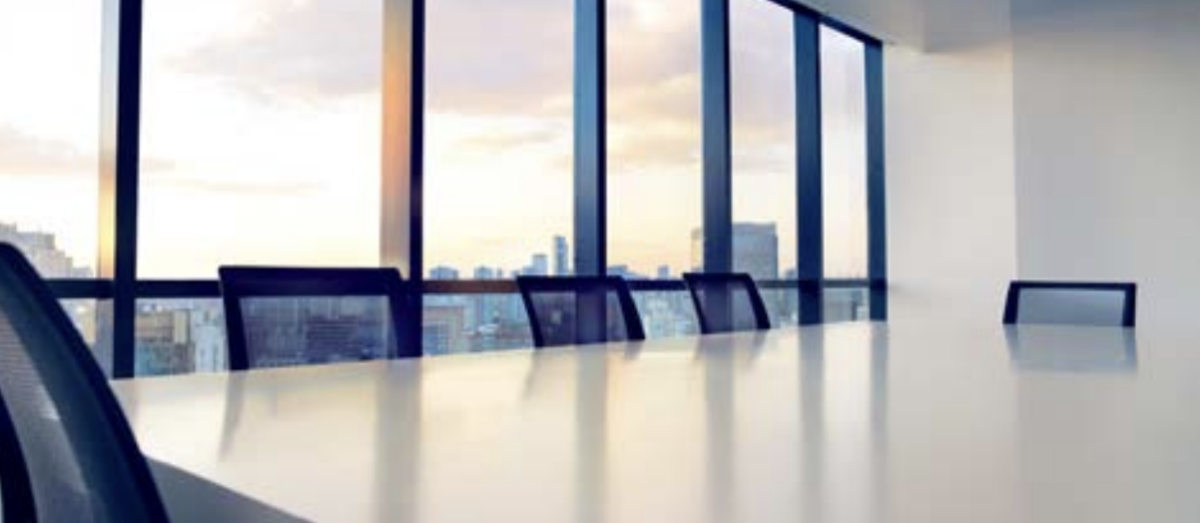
566,311
278,317
727,302
1071,303
67,451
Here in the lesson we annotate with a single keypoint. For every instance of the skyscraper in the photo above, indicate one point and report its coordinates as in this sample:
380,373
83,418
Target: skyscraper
485,273
43,253
698,249
540,265
755,250
443,272
562,266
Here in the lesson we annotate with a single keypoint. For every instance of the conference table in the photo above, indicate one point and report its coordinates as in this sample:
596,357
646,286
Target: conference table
920,422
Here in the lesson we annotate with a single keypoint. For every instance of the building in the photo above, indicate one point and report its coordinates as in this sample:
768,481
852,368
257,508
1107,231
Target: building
755,250
43,252
163,343
562,253
539,266
484,273
443,272
444,326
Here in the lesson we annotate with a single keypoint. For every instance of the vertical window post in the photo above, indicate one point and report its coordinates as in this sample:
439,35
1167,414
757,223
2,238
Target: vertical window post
717,136
809,196
876,188
591,194
402,231
717,145
119,157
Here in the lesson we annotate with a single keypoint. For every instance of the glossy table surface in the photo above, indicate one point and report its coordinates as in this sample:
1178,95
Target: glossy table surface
919,423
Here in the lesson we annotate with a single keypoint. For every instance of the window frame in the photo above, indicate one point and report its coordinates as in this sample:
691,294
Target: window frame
117,287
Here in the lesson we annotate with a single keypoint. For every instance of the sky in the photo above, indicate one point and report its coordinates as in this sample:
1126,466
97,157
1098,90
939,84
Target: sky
261,131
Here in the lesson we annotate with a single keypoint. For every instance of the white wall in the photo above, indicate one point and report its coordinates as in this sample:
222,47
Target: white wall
1108,146
950,167
951,195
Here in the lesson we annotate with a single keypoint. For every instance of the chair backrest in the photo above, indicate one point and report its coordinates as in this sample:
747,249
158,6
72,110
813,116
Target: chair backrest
282,316
66,450
727,302
560,310
1071,303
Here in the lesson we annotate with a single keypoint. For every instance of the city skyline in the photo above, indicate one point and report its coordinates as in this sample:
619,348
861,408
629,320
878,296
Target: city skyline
755,251
248,197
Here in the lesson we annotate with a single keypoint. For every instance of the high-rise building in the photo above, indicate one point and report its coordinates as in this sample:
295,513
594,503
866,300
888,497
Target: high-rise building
697,249
562,252
540,265
443,272
484,273
755,250
43,253
619,270
163,343
664,272
443,328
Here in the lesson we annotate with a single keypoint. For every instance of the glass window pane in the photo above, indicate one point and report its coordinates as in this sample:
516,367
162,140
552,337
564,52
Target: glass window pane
844,154
474,323
783,305
498,173
667,314
83,316
260,134
764,140
847,304
49,133
179,337
654,141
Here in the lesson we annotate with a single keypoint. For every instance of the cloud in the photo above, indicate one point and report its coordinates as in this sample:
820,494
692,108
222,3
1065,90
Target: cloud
306,50
26,154
482,55
242,189
514,59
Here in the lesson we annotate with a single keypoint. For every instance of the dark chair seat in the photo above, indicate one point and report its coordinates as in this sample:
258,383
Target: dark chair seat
727,302
577,310
282,316
1071,303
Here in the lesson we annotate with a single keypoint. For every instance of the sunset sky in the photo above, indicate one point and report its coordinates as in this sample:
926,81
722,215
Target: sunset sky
261,131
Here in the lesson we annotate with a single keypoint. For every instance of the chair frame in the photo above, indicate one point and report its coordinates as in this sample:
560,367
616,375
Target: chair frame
762,319
18,499
530,285
1012,303
241,282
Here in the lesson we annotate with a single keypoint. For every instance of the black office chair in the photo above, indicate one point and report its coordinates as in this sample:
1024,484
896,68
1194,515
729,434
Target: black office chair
1071,303
558,310
727,302
66,451
276,317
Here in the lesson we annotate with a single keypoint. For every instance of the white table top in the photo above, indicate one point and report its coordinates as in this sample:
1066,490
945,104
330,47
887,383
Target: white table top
845,423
